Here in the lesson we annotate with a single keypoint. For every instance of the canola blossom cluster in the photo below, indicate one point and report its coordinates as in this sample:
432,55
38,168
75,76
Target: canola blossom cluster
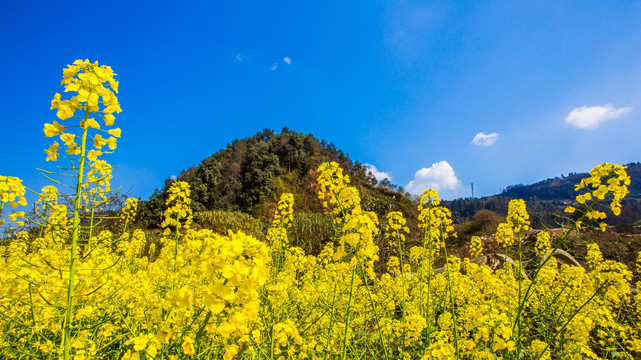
95,89
283,218
476,247
542,244
73,287
517,216
128,212
178,213
12,193
606,181
396,229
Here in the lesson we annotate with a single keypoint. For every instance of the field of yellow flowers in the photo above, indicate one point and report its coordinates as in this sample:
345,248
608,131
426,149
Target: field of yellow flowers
70,289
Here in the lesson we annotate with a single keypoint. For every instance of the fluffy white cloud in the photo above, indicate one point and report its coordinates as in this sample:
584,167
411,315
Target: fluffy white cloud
287,60
439,176
379,175
591,117
483,139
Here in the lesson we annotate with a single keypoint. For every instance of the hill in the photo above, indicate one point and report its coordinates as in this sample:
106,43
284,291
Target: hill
249,175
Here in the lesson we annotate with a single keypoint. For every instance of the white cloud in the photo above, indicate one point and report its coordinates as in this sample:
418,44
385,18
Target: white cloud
591,117
274,67
287,60
379,175
439,176
483,139
238,57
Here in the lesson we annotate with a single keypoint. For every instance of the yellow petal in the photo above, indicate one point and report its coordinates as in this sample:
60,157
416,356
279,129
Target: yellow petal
111,142
115,132
93,99
53,129
67,138
64,112
52,152
109,119
83,95
98,141
55,102
91,123
112,108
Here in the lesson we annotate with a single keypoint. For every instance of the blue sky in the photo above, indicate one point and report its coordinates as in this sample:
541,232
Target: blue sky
551,87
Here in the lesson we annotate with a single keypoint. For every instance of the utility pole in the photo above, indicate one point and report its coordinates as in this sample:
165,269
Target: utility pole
472,190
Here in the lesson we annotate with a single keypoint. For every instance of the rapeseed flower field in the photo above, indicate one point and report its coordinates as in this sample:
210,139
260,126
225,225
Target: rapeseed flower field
72,289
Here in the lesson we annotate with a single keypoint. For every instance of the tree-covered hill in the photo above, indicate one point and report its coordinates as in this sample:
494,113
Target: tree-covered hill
249,175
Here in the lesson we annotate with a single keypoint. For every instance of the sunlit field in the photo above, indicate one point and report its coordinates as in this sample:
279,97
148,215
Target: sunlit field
73,287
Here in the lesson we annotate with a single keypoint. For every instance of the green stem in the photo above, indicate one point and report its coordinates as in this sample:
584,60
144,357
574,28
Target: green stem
400,255
173,285
271,337
93,209
331,321
349,308
124,228
66,335
449,288
518,315
201,330
371,300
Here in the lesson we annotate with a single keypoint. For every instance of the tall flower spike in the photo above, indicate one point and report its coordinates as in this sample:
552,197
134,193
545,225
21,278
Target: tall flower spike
95,88
542,243
335,191
283,218
395,228
178,213
505,234
517,216
129,211
476,247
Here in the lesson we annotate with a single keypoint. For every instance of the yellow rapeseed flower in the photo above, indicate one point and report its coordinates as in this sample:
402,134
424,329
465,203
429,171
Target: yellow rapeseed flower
52,151
542,243
476,247
53,129
517,216
504,234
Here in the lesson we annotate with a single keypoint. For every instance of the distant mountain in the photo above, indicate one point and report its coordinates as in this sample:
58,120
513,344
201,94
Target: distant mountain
551,196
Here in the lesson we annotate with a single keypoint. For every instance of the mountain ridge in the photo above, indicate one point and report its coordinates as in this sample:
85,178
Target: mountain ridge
548,198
